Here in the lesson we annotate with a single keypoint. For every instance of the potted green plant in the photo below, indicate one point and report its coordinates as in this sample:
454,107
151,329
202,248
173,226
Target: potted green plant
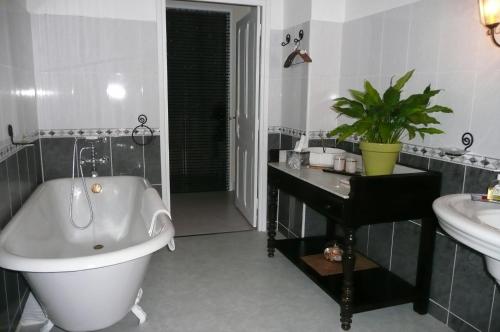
383,120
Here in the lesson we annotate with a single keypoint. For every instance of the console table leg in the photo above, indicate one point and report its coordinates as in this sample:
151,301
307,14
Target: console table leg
424,266
348,260
271,223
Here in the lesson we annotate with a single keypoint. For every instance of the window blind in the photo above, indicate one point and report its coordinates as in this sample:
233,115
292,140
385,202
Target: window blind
198,99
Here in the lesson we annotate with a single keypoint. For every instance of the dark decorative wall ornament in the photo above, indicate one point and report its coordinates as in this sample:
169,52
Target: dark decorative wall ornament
301,36
287,40
467,140
141,130
297,52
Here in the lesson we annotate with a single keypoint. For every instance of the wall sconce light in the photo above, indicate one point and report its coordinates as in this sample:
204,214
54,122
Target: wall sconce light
490,16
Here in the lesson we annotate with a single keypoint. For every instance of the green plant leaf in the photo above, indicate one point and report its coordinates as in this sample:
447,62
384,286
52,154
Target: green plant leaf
406,112
431,131
411,131
372,97
348,107
402,81
391,96
358,95
386,119
343,132
422,118
438,108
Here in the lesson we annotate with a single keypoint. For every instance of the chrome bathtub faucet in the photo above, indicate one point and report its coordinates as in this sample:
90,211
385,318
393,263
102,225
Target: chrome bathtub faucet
93,160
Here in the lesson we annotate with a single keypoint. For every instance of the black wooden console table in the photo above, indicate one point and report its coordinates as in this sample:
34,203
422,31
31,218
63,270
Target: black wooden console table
368,200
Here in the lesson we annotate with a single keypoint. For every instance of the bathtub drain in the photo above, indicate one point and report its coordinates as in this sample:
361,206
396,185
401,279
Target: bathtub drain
98,246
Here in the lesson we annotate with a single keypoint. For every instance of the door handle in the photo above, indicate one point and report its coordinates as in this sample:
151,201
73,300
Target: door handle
231,118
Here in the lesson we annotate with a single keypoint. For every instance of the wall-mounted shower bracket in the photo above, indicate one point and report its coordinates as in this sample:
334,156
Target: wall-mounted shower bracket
10,131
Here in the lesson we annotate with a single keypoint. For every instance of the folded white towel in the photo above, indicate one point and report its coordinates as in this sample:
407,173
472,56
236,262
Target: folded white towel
154,213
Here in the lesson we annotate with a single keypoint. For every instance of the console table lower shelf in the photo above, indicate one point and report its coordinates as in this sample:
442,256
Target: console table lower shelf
375,288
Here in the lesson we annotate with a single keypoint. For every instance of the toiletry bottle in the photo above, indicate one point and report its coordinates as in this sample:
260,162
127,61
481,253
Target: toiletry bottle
494,190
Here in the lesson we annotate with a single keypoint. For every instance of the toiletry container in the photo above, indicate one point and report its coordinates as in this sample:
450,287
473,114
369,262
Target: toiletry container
494,190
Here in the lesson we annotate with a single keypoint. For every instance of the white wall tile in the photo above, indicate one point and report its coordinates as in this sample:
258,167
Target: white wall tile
485,119
276,60
351,49
275,107
395,40
325,47
460,33
17,88
321,91
424,36
294,103
370,44
458,89
78,57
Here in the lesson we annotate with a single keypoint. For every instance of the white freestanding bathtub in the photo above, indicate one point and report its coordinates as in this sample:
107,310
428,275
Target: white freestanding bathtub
82,288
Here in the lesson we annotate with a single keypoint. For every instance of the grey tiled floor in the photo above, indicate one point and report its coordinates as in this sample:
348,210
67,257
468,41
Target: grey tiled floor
206,213
225,282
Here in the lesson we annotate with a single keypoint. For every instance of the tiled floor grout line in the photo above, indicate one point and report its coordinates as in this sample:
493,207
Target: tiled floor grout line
111,155
143,158
392,245
303,225
6,299
35,170
464,178
19,178
492,305
451,285
21,299
437,303
466,322
41,159
8,187
368,239
27,166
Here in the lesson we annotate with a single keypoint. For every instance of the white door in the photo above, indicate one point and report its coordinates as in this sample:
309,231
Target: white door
248,51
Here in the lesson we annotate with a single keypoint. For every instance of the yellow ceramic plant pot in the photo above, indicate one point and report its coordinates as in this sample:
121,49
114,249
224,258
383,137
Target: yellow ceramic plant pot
379,159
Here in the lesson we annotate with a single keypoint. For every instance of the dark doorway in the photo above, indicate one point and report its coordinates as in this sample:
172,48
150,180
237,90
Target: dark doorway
198,50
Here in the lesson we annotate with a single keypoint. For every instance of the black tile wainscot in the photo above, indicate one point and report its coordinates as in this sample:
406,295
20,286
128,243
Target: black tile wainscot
19,176
446,290
370,201
125,157
290,209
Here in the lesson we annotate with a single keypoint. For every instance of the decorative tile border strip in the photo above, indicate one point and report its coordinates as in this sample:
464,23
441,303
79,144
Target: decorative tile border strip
87,132
468,159
287,131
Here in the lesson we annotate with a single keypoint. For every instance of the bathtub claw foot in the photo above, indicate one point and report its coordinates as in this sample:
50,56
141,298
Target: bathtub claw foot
139,313
137,310
47,326
171,245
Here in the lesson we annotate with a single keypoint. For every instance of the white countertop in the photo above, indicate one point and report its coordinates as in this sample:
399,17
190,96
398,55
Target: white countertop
330,181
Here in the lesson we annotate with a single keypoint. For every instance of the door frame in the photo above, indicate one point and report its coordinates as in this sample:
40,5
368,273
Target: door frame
262,114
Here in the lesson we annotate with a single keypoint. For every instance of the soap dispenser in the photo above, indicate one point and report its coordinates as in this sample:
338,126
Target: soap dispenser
494,190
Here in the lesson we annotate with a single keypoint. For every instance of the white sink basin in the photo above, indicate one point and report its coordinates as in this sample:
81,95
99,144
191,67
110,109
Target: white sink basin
318,157
475,224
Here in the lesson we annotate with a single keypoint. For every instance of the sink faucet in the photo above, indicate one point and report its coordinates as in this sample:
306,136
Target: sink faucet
93,160
321,137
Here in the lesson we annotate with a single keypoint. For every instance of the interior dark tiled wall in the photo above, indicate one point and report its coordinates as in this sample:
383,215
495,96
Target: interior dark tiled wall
125,157
19,176
463,294
290,209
